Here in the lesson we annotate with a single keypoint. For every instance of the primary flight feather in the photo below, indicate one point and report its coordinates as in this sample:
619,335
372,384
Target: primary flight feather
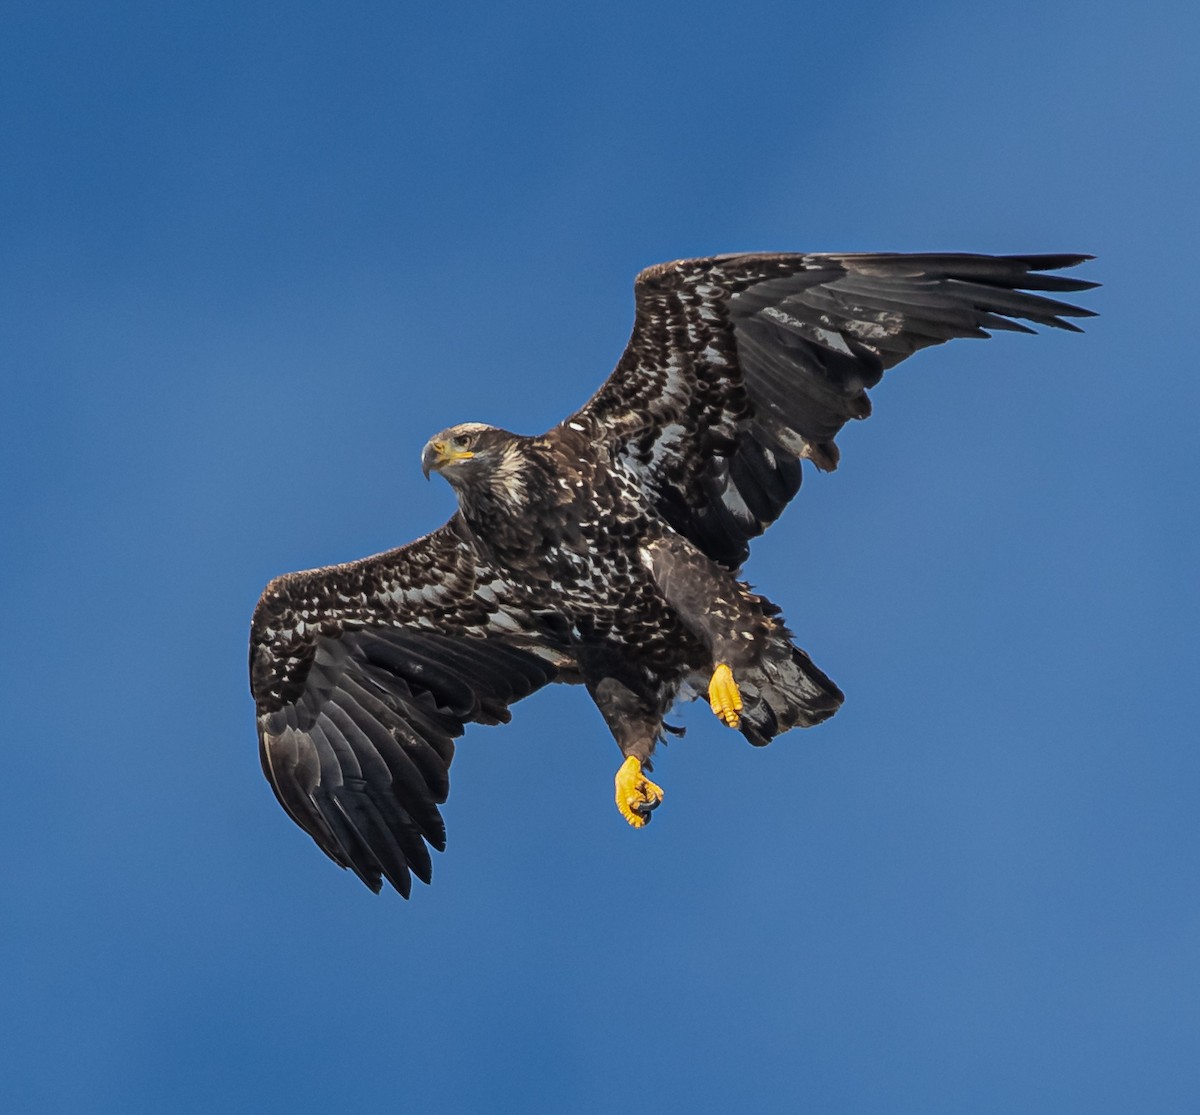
606,551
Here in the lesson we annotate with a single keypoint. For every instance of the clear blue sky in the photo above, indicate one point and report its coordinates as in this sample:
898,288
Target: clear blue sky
252,256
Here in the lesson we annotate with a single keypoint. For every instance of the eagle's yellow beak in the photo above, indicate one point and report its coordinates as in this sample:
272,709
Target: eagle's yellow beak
438,453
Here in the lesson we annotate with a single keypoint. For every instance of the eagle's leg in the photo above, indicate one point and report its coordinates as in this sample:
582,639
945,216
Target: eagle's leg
718,608
635,721
761,683
634,725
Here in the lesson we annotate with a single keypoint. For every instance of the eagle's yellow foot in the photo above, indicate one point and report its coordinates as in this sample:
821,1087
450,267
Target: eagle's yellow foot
724,696
636,794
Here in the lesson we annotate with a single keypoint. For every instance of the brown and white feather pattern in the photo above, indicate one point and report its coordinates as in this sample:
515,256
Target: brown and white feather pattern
365,673
740,366
604,550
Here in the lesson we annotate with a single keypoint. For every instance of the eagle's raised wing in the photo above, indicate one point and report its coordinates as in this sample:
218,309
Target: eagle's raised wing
741,365
363,675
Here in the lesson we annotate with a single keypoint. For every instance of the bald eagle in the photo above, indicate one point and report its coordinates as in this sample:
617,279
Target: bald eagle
606,552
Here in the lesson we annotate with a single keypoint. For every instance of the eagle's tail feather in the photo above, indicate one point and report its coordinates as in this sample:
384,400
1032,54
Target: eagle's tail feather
784,690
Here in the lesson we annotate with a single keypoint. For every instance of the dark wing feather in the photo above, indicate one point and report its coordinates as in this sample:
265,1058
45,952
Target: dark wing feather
364,674
740,366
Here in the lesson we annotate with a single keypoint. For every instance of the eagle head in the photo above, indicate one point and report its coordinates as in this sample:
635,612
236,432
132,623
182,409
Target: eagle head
468,453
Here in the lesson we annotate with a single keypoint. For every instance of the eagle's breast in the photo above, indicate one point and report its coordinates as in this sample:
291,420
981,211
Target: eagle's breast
565,522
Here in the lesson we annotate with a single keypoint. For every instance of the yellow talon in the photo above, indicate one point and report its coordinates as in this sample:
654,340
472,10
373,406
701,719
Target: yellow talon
724,696
636,794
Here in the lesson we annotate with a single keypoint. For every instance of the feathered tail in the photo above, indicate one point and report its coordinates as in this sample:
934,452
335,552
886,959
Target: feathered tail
784,690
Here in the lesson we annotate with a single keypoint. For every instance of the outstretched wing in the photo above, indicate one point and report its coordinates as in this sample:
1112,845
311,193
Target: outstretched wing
364,674
741,365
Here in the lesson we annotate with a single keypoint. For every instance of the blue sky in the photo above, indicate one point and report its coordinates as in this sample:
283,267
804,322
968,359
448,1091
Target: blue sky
254,255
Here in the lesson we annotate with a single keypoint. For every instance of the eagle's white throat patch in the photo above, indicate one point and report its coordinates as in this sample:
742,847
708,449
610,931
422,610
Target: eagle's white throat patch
508,478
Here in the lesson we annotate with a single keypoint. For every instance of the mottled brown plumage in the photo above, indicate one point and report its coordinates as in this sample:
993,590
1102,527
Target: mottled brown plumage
606,550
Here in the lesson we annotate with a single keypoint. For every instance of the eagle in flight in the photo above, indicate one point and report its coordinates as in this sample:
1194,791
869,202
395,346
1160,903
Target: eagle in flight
606,552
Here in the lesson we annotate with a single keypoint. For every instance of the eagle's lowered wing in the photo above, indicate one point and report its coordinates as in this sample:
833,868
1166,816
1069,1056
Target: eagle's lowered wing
741,365
364,674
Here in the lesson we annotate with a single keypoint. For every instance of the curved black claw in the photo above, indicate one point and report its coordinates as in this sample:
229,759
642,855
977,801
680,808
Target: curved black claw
645,808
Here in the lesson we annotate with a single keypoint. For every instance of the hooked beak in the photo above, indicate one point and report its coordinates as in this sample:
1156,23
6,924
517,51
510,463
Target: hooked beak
438,453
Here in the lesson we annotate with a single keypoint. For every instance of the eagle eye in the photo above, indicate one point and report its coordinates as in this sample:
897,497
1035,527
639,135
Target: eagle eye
463,441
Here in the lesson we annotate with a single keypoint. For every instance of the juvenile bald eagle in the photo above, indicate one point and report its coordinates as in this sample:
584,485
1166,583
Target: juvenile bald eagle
607,550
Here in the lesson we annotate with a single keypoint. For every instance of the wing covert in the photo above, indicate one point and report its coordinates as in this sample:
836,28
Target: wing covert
364,675
741,366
